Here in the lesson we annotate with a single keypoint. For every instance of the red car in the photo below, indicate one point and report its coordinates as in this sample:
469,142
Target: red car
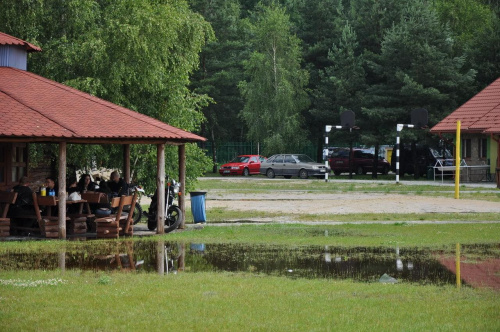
362,161
242,165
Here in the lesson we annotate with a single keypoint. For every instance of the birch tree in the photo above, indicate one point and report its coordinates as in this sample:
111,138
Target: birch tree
275,92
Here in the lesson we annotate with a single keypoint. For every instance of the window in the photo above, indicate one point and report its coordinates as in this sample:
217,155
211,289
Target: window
19,156
289,159
340,153
466,148
483,148
278,159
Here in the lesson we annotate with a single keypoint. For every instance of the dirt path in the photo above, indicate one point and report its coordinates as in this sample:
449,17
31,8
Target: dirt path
345,203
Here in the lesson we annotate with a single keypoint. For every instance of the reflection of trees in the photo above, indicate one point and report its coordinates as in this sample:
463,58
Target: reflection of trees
358,263
366,264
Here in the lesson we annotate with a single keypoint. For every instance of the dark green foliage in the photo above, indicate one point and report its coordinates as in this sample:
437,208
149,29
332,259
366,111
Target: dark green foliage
221,69
380,58
274,93
135,53
415,68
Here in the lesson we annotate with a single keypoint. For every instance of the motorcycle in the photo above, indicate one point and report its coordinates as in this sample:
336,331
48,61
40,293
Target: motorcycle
173,214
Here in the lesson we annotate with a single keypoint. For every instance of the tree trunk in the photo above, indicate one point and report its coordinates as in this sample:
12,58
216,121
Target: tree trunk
350,159
214,152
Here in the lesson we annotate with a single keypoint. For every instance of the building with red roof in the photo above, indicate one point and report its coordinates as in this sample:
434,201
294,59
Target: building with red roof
480,127
35,109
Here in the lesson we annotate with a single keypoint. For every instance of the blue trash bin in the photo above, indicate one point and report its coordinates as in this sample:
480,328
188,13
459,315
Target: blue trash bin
198,206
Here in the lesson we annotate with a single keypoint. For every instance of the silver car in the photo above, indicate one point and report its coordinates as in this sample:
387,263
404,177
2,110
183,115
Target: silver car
289,165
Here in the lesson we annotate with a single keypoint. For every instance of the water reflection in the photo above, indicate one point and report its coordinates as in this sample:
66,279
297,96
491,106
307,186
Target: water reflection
364,264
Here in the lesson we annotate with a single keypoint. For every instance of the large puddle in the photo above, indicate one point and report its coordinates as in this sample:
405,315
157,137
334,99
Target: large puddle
479,264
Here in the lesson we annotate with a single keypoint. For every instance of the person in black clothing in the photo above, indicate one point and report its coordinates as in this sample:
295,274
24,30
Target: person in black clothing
72,186
85,184
24,203
117,185
24,193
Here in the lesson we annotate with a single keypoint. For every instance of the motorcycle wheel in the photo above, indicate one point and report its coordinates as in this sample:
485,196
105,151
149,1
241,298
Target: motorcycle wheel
136,217
173,219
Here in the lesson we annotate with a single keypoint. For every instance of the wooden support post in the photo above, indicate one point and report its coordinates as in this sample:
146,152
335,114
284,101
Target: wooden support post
497,166
126,162
62,190
62,260
182,258
457,161
182,180
160,185
160,257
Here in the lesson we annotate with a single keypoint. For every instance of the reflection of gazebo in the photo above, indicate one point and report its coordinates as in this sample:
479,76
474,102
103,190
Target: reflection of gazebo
35,109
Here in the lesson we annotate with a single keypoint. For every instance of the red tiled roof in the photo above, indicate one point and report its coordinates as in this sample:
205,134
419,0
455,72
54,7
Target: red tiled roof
35,107
6,39
480,114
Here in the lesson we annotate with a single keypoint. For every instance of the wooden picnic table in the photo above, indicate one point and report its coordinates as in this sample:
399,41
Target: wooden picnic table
76,222
82,202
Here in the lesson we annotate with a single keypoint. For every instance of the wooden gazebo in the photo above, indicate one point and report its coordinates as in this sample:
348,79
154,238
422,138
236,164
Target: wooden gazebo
34,109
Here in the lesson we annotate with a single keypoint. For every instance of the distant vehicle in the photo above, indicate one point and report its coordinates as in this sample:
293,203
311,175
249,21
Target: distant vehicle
425,156
289,165
242,165
362,161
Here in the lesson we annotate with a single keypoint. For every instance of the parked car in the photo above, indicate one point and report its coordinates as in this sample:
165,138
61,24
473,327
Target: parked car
425,156
289,165
362,161
243,165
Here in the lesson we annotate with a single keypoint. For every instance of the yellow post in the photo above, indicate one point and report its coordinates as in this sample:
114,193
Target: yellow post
457,163
457,266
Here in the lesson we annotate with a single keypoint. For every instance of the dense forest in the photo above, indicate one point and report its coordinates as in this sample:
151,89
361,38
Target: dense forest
268,72
279,71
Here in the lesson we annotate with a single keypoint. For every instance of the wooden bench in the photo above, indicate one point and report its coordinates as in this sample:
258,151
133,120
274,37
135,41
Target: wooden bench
84,221
6,199
115,225
49,225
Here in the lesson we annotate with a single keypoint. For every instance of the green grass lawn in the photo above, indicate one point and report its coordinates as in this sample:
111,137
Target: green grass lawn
370,235
126,301
81,301
312,185
225,215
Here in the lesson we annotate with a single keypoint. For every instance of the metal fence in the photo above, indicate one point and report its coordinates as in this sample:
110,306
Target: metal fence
229,150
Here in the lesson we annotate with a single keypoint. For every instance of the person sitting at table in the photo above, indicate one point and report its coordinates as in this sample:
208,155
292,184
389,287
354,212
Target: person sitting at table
52,189
72,186
23,205
85,184
117,185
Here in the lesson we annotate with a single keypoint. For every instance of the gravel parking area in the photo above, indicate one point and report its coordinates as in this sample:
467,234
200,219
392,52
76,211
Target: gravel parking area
344,203
305,202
